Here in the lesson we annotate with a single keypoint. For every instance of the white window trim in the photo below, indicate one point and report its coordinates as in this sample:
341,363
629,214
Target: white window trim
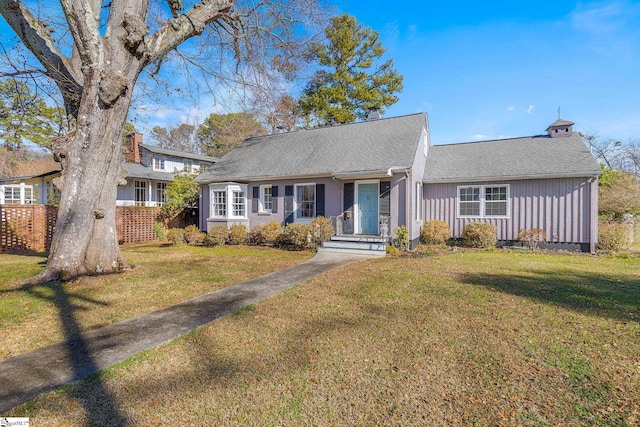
22,187
296,210
261,204
163,162
418,200
483,201
229,189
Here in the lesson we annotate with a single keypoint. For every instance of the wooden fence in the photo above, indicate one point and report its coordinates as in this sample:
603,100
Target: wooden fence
29,228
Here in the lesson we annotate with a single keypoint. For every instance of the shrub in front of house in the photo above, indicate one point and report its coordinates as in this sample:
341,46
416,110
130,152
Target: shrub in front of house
176,236
532,237
217,235
193,236
613,237
295,236
480,235
435,232
322,230
267,234
401,238
237,234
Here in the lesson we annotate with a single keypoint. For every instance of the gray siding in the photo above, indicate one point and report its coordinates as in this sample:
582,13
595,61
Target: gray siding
561,207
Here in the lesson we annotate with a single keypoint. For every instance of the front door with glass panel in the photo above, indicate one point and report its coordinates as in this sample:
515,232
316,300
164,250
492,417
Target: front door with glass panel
368,208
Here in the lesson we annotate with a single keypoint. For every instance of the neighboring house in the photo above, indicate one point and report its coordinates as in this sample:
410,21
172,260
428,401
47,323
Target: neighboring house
27,190
374,176
149,170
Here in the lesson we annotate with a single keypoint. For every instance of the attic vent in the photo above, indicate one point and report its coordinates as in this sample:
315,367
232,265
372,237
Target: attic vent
374,114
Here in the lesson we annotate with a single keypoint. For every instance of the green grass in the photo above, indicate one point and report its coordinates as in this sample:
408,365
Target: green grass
466,338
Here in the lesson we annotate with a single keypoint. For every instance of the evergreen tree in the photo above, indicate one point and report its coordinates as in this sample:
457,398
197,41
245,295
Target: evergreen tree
25,116
220,133
348,84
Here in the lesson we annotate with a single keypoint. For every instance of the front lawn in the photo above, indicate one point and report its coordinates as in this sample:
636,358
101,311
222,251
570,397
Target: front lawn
466,338
163,275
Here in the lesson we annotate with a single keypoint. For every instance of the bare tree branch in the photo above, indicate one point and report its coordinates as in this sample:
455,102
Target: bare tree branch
173,32
36,37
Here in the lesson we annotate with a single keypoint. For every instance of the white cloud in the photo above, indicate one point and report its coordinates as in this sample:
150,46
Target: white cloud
511,108
530,109
599,19
479,136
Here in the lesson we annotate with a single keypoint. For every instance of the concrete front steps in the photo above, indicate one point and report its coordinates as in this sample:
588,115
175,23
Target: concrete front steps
362,245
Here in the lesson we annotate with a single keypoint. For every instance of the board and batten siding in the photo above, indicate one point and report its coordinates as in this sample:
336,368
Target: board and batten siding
560,207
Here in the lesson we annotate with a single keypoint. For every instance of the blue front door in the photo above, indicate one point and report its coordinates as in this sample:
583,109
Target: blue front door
368,208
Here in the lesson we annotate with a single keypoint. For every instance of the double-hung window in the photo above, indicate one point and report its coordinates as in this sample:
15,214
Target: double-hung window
483,201
228,201
266,198
161,193
158,163
140,188
305,201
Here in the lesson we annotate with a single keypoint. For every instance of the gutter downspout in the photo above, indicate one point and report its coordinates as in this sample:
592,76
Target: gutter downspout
593,237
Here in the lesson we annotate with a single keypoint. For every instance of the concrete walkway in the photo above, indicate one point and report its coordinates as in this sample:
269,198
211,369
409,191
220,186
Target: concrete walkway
28,375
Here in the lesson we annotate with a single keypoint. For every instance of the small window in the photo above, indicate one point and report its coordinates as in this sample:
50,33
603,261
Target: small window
158,163
469,201
188,165
266,198
418,201
238,204
219,203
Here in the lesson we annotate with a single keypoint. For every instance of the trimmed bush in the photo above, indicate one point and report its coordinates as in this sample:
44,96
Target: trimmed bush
435,232
532,237
322,230
613,237
217,235
237,234
295,237
267,234
480,235
176,236
193,235
393,251
401,239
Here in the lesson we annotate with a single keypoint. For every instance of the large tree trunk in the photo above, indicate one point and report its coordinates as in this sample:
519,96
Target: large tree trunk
85,239
96,83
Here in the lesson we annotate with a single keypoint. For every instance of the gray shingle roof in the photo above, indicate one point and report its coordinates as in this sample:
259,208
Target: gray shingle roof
136,170
176,153
560,123
358,147
508,159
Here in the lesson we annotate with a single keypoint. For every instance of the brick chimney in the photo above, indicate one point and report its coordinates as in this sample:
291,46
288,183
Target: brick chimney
132,148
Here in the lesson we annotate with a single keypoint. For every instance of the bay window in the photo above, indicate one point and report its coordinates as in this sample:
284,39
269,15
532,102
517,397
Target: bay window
228,201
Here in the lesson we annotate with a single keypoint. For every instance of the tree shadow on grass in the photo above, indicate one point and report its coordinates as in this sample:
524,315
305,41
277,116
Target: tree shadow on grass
608,295
100,407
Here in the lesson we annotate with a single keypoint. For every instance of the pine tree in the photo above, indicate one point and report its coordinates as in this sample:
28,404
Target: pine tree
349,84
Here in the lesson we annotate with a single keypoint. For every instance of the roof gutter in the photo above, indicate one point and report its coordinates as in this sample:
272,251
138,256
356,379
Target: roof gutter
508,178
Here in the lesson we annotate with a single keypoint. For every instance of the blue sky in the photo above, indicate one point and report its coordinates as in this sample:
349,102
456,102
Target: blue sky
496,69
485,70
